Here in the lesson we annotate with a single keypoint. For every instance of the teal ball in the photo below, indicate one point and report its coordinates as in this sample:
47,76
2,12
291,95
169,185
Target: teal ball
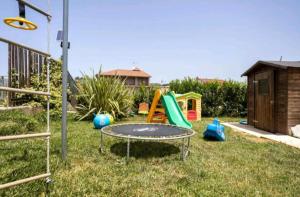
101,121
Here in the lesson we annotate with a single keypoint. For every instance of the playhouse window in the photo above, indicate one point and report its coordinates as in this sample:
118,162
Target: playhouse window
191,104
263,86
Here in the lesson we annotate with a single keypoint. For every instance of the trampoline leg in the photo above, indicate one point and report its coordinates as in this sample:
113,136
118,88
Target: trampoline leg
187,147
101,142
182,150
128,150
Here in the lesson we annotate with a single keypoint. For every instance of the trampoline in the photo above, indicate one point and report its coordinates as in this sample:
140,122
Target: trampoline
149,131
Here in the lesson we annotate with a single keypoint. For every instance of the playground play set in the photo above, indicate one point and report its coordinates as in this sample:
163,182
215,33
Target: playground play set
165,107
176,108
21,22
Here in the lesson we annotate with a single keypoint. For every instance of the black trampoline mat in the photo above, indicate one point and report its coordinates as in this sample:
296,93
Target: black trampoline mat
148,130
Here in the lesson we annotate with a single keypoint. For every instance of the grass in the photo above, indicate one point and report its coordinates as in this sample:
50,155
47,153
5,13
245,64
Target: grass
241,166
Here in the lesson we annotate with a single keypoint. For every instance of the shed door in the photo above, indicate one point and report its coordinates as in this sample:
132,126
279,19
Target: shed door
264,100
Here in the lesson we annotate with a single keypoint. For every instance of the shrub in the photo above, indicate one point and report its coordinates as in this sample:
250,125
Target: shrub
39,83
99,94
235,98
212,99
143,94
226,99
10,127
17,122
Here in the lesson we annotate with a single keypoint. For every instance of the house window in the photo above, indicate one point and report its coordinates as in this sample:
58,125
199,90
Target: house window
130,81
263,87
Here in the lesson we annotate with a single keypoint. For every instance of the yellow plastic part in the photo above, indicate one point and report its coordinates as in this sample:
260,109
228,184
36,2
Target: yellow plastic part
27,25
154,108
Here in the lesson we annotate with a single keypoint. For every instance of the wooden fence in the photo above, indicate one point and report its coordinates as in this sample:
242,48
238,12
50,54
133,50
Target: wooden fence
23,63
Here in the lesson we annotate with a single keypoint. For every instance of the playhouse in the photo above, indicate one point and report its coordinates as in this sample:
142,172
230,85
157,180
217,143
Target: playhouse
190,104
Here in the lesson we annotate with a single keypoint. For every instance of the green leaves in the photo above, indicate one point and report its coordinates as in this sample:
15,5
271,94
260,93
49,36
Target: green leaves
15,122
144,94
100,94
218,99
39,83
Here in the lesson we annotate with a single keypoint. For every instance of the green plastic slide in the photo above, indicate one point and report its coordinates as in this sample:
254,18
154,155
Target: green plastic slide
173,111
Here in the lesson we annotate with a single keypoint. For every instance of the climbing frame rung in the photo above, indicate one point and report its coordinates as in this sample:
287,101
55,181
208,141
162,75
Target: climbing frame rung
24,136
26,180
24,91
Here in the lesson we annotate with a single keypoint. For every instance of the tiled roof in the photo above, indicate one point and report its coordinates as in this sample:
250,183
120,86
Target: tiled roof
136,72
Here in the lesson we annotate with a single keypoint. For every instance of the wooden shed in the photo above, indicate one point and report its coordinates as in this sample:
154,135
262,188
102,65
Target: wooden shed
274,95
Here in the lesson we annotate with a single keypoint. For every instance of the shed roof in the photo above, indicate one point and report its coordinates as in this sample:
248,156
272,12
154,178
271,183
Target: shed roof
135,72
276,64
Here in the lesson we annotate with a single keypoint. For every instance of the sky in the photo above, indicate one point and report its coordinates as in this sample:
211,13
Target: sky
169,39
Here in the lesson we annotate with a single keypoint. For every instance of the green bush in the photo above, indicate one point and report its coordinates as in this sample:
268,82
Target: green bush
39,83
143,94
212,99
235,98
10,127
31,124
17,122
99,94
218,99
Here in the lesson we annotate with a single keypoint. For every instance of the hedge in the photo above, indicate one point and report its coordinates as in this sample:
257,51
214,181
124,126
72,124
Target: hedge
218,98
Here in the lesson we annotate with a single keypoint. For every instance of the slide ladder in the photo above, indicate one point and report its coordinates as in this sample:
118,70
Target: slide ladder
157,112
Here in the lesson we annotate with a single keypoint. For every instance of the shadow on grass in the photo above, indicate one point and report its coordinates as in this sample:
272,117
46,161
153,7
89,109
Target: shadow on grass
144,149
211,139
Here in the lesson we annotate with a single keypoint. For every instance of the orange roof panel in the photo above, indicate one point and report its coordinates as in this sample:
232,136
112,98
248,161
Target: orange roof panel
126,73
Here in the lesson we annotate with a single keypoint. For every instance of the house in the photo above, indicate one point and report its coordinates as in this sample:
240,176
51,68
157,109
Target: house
206,80
274,95
134,77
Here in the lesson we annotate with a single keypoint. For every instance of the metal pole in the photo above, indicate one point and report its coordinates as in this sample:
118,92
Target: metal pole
48,90
64,79
187,148
128,150
35,8
182,149
101,142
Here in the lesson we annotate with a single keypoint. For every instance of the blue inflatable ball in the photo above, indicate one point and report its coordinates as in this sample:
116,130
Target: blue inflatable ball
111,118
101,120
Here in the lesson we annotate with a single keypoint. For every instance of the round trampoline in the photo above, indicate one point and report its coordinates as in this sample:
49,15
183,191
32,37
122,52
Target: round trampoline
149,131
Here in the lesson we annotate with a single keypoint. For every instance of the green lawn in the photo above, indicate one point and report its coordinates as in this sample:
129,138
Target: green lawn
241,166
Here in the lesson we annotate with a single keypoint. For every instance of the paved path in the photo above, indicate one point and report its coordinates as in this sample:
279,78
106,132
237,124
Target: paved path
286,139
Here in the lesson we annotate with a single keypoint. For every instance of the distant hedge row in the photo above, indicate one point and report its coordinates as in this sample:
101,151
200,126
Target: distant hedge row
218,99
